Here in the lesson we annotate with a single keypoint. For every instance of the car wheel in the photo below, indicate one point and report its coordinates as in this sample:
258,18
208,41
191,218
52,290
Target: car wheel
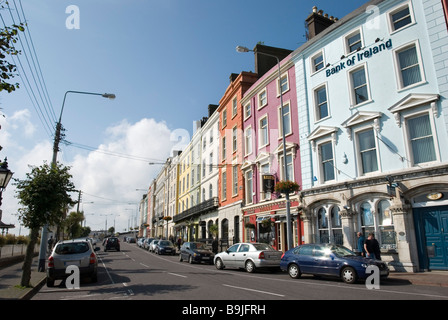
190,259
250,266
219,264
50,283
348,275
294,271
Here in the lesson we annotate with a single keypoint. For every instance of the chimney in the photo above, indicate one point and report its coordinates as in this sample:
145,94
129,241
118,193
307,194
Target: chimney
318,22
211,109
264,63
233,76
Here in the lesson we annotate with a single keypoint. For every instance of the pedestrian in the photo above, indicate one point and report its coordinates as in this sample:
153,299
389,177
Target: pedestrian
179,242
372,247
361,242
50,243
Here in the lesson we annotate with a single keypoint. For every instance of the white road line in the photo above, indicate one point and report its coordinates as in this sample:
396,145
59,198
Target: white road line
247,289
177,275
105,268
144,265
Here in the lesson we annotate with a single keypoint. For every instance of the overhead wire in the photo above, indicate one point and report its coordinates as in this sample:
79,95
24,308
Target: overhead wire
32,85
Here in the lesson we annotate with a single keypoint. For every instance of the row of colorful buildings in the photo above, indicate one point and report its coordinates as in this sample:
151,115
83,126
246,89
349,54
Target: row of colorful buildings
365,121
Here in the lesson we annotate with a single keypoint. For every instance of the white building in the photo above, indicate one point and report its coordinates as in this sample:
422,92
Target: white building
373,130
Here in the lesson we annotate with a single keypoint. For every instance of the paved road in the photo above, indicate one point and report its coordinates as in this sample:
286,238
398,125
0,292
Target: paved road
136,274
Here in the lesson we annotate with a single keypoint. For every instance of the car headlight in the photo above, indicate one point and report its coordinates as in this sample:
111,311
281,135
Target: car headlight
364,265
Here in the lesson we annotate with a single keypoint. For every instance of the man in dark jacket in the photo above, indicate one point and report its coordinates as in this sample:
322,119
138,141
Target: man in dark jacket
372,247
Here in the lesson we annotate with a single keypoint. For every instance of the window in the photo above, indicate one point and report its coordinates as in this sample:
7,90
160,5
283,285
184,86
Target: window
360,91
210,166
317,62
353,42
421,139
203,168
248,141
262,99
367,222
249,187
223,148
400,18
263,132
264,168
285,118
235,180
224,118
327,161
409,66
210,191
321,103
289,168
224,185
283,84
329,225
234,106
247,110
367,151
234,139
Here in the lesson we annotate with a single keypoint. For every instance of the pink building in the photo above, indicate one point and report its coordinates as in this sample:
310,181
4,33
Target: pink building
264,210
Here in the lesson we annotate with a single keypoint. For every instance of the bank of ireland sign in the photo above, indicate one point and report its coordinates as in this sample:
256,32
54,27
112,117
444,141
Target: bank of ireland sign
359,56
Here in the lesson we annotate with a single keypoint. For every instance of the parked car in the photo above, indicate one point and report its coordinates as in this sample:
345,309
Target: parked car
79,253
195,252
165,247
248,256
329,260
147,243
112,243
140,242
153,245
130,240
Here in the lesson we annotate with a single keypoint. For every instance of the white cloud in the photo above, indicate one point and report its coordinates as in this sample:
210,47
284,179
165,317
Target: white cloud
109,181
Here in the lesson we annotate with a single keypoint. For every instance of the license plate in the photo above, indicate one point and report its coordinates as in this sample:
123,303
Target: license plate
384,273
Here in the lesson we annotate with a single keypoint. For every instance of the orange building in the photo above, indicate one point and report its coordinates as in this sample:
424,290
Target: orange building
230,185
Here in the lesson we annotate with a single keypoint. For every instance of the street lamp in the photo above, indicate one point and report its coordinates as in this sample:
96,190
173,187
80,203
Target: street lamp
242,49
57,139
5,177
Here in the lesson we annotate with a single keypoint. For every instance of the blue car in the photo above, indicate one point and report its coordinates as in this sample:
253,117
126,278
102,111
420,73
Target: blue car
329,260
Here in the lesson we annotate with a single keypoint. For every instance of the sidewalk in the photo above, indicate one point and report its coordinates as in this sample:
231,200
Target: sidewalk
10,277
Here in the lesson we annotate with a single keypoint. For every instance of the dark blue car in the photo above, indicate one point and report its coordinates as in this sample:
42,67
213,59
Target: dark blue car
329,260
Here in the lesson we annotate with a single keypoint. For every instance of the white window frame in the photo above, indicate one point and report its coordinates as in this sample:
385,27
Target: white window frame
282,168
235,180
313,64
247,111
248,141
319,159
261,143
224,185
234,107
398,73
352,88
260,103
264,196
408,145
224,118
249,196
280,119
397,9
349,35
356,132
234,139
315,103
278,81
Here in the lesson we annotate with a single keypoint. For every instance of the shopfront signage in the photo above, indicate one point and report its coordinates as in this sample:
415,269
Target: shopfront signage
359,56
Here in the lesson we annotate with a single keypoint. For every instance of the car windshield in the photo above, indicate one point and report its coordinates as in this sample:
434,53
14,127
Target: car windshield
198,245
262,246
72,248
165,243
340,251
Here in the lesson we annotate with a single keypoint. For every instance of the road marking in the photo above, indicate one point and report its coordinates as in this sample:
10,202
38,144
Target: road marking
247,289
105,268
177,275
144,265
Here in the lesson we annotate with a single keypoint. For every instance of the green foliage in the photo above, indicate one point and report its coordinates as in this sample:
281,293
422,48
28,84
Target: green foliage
44,194
8,37
286,187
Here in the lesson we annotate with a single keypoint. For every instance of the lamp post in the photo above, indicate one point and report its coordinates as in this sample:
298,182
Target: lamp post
5,177
242,49
57,139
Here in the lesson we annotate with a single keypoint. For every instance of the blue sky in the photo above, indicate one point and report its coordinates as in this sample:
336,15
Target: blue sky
166,61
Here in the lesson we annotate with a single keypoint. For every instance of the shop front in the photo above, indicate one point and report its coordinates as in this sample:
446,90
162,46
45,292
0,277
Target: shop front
266,223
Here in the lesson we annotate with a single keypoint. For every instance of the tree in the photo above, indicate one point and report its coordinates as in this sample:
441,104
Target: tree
73,224
43,194
8,36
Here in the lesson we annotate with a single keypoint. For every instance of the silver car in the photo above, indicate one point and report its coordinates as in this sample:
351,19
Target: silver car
249,256
153,245
79,253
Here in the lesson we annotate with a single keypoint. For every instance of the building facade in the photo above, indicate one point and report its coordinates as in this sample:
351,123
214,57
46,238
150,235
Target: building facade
372,114
264,210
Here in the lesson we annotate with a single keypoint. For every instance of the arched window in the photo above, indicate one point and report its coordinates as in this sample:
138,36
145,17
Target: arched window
322,224
224,229
336,226
366,215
